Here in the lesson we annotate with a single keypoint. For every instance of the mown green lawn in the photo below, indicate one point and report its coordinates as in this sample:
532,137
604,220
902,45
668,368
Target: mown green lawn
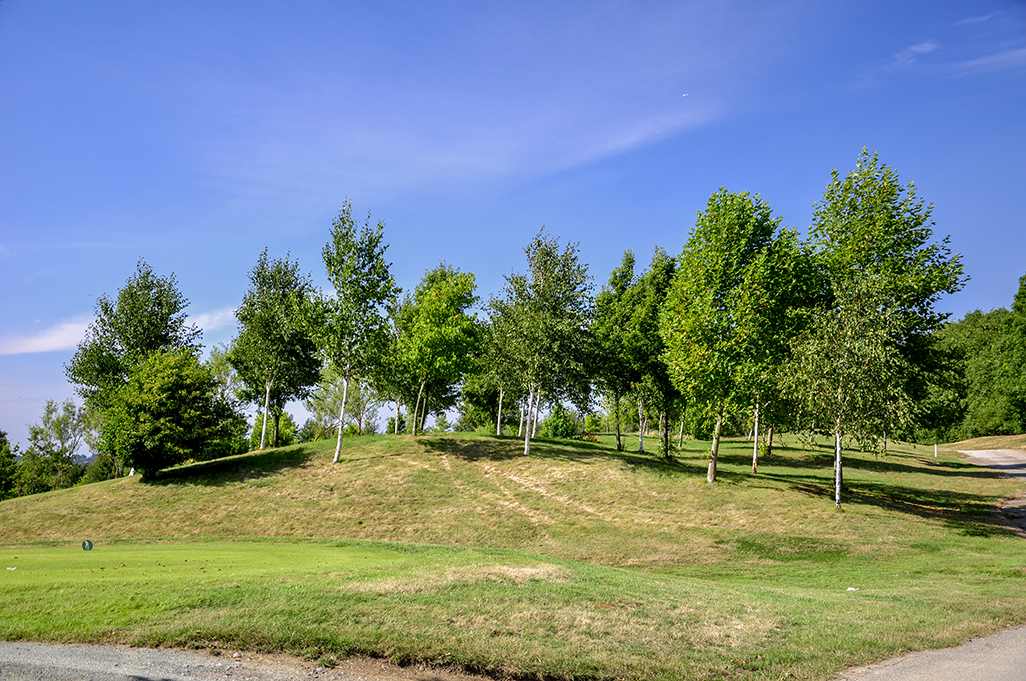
576,562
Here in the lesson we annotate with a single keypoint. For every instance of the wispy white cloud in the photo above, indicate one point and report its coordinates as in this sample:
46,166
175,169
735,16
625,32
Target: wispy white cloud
508,94
63,336
1008,59
907,57
217,319
68,334
977,20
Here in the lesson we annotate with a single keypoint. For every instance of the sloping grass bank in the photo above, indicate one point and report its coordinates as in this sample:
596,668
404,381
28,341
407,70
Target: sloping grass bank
576,562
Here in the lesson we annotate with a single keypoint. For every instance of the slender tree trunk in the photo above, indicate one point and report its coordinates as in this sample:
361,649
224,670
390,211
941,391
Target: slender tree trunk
641,426
267,408
755,447
416,410
664,432
341,418
715,452
498,420
769,440
680,439
616,411
423,414
520,428
396,415
838,473
527,431
537,406
885,442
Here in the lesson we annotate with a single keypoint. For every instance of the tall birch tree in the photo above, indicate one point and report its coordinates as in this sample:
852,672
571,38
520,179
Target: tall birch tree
552,307
613,369
864,365
645,345
351,332
438,338
703,322
273,353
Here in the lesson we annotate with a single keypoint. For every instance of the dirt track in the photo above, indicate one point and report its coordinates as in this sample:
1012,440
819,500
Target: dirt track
63,662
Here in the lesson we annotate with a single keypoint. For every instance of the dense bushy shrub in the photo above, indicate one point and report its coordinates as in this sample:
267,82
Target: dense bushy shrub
560,423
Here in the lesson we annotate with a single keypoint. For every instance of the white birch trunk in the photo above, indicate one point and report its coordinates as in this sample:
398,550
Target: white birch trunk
527,431
267,408
416,409
755,447
341,418
397,416
715,451
641,425
838,473
616,411
537,406
498,420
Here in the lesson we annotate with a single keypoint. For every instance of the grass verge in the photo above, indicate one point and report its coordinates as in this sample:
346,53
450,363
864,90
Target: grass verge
576,562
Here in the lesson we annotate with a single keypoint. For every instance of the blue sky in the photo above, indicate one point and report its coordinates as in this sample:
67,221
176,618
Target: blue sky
196,134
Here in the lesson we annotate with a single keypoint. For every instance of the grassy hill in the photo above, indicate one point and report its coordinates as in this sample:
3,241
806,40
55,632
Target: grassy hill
991,442
574,562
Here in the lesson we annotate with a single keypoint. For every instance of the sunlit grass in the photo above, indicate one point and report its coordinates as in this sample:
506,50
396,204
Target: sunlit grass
574,562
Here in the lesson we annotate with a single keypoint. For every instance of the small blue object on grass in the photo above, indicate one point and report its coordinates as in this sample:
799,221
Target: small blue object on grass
87,545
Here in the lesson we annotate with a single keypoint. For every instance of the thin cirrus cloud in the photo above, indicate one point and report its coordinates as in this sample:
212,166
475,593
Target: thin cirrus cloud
492,107
68,334
907,57
63,336
1008,59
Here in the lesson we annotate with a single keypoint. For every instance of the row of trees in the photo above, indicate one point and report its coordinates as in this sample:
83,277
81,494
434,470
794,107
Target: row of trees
835,334
982,390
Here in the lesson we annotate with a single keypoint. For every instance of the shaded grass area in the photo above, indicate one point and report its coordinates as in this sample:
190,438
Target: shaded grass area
574,562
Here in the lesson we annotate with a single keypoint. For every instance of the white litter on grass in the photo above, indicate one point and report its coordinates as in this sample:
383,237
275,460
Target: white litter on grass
853,588
12,568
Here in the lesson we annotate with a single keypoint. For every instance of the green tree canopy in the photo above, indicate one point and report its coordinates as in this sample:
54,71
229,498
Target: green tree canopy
439,337
551,307
869,225
712,307
8,467
864,364
352,332
274,354
146,317
613,368
166,413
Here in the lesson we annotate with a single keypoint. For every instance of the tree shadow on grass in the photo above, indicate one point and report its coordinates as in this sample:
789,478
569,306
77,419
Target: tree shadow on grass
506,448
818,460
970,514
234,469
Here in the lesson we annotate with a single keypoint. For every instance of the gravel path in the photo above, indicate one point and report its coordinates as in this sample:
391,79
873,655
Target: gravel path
74,662
1000,657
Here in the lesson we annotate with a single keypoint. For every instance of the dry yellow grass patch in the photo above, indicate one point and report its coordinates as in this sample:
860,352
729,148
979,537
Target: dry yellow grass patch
990,442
